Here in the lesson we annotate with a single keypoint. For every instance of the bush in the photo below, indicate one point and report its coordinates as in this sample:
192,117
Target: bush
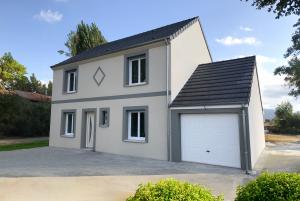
271,187
22,118
171,189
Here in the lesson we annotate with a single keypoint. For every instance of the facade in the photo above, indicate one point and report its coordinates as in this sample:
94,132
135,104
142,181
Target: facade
116,97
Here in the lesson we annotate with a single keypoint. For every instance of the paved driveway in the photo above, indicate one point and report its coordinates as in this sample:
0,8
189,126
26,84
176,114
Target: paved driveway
281,156
49,161
54,174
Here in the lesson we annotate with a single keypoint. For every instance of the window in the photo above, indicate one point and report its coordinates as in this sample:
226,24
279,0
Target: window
68,123
104,117
135,124
70,81
136,70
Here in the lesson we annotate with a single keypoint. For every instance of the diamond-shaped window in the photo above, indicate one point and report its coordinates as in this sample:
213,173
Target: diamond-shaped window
99,76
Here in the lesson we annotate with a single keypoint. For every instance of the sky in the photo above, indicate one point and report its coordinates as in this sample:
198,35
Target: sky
34,30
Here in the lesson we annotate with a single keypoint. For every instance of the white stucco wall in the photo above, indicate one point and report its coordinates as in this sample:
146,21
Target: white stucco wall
256,122
188,50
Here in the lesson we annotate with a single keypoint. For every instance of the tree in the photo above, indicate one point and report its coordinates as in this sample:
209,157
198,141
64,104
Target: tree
279,7
291,72
284,113
49,88
11,71
85,37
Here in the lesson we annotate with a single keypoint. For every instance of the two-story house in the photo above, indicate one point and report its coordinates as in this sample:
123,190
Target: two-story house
158,95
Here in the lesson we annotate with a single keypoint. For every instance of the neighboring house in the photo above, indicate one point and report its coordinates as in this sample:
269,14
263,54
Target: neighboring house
147,96
33,96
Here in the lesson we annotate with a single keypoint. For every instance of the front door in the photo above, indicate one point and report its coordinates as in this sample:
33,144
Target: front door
90,129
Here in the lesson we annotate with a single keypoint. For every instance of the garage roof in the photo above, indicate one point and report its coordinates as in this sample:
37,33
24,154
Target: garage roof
218,83
151,36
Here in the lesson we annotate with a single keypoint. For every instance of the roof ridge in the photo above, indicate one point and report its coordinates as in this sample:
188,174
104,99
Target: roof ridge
176,29
227,60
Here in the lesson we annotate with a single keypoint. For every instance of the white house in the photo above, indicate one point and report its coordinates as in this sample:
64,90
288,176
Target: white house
158,95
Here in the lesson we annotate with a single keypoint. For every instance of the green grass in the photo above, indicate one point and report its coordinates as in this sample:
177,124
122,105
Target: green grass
26,145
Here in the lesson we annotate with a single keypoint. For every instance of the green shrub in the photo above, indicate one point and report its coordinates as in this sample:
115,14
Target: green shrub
271,187
22,118
171,189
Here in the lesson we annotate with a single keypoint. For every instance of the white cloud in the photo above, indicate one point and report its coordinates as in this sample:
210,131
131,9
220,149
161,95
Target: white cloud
49,16
229,41
245,28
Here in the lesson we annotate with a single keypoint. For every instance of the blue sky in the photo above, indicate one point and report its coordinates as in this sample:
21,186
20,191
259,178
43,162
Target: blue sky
34,30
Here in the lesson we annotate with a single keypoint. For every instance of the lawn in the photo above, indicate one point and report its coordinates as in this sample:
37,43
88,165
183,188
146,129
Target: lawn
25,145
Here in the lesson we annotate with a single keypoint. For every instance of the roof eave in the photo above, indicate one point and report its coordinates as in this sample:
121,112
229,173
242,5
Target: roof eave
129,47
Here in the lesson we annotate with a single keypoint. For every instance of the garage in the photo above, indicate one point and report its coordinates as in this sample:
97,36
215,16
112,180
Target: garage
211,139
217,117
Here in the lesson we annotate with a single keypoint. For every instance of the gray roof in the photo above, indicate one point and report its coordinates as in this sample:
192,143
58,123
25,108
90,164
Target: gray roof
218,83
151,36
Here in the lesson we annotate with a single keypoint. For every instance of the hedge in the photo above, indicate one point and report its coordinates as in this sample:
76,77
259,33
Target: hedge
22,118
171,190
271,187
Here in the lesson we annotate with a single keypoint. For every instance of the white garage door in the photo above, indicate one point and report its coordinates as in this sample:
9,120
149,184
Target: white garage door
211,139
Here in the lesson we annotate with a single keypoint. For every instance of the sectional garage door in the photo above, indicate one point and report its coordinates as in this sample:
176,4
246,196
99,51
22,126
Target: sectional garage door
211,139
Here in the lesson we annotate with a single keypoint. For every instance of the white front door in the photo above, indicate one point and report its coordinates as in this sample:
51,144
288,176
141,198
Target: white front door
211,139
90,129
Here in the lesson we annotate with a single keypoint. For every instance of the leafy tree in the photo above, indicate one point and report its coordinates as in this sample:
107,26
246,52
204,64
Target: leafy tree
10,71
49,88
279,7
85,37
291,72
283,112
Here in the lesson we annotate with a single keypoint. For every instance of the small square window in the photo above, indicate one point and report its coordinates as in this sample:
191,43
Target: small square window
104,117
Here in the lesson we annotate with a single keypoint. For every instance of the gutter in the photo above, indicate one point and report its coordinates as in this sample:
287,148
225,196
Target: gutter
167,41
247,168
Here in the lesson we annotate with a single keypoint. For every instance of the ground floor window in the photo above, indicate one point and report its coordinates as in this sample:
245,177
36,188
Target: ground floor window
135,124
68,123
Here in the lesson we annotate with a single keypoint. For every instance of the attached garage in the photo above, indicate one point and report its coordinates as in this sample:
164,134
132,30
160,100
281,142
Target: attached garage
217,117
211,139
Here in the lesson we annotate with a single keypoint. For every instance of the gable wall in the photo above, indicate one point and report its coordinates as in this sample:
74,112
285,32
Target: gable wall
188,50
256,121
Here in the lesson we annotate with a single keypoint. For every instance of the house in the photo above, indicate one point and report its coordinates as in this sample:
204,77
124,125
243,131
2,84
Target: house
158,95
33,96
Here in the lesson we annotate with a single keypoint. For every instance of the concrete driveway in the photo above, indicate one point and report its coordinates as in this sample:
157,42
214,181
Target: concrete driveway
62,174
54,174
280,156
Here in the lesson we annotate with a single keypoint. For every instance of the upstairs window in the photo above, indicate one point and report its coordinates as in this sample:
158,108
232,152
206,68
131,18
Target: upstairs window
70,81
136,70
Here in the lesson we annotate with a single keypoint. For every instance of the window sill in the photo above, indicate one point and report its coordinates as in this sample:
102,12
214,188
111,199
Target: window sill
136,85
70,92
136,141
67,136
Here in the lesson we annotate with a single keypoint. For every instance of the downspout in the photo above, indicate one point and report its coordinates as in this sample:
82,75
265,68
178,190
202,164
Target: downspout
245,141
168,99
